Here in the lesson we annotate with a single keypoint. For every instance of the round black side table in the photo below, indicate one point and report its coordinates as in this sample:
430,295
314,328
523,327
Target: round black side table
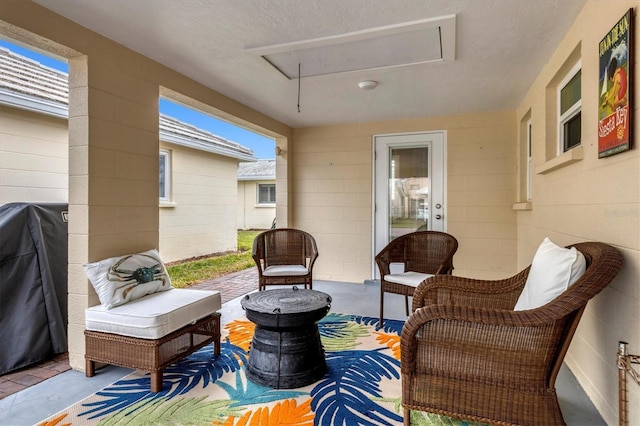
286,351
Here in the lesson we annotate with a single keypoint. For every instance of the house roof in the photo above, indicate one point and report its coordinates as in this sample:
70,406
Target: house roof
27,84
258,170
180,133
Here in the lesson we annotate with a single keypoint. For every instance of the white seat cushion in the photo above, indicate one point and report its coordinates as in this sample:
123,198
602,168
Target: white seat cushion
155,315
284,270
407,278
553,270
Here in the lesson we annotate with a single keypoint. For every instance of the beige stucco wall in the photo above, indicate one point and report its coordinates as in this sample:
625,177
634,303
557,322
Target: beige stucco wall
33,157
591,199
201,214
332,172
113,138
252,215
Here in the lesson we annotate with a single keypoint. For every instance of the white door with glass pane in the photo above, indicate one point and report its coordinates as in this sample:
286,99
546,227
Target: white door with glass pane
409,186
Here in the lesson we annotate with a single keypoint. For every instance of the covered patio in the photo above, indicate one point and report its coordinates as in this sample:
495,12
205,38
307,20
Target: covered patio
507,183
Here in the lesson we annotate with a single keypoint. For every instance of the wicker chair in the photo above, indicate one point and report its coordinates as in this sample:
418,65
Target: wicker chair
423,254
284,256
467,354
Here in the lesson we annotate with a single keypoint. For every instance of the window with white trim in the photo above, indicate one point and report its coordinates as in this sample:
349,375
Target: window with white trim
529,161
165,176
570,110
266,193
525,160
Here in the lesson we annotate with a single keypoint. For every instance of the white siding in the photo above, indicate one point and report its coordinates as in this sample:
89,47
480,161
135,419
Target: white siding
200,218
34,157
251,215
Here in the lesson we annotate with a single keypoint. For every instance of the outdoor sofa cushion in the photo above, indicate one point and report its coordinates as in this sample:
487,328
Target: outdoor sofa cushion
553,270
285,270
407,278
155,315
119,280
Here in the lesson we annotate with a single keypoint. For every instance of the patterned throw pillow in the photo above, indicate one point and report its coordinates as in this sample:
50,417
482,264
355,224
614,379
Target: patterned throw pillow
118,280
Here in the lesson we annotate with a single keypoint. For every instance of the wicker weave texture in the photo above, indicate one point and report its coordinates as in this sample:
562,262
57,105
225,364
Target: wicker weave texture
284,246
151,355
427,252
466,354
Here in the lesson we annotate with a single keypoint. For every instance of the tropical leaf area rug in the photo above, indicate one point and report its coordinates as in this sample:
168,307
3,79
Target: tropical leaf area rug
361,386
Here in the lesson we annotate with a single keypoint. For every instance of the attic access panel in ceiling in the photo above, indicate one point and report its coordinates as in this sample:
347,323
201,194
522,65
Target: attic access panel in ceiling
403,44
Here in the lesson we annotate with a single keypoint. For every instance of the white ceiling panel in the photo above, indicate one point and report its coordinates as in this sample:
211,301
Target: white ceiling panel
391,46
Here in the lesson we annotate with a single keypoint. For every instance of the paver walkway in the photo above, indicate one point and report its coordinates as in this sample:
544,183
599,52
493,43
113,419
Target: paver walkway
230,286
23,378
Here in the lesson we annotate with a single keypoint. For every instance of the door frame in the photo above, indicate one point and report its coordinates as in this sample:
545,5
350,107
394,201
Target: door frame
441,150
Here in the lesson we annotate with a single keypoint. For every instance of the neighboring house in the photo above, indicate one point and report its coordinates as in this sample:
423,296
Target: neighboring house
198,170
256,194
198,185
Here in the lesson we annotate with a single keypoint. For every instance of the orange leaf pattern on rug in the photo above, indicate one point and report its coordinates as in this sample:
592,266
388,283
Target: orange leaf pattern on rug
392,341
241,333
55,421
287,412
228,422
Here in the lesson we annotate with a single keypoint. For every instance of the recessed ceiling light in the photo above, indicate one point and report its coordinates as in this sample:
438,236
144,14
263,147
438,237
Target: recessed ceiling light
368,84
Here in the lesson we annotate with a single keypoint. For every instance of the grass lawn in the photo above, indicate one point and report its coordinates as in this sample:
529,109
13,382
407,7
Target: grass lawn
190,272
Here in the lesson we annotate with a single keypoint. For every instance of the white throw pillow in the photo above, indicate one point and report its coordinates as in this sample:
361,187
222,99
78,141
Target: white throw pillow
553,270
118,280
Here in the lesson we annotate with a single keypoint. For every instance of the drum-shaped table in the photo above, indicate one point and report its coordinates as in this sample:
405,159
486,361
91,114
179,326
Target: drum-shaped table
286,351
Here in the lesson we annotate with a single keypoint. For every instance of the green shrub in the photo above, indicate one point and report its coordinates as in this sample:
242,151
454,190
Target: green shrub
190,272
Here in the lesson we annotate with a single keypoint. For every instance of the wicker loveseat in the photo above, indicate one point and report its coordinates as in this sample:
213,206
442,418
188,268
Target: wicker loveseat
152,332
466,353
142,322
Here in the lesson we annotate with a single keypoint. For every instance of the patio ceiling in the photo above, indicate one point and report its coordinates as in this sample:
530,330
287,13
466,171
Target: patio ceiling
485,61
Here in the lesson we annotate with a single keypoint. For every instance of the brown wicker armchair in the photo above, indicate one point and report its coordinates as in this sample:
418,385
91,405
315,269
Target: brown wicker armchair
284,256
467,354
423,254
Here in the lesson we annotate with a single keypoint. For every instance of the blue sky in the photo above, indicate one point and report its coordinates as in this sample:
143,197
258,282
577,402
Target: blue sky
262,147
